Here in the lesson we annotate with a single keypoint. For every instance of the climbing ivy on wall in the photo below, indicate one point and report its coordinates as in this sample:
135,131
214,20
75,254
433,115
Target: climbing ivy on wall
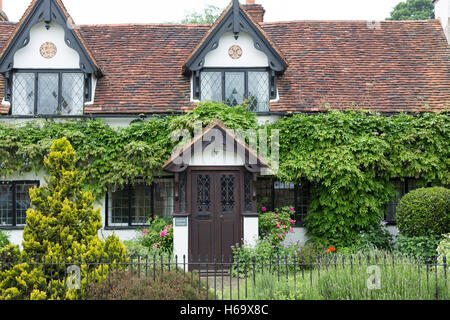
350,157
109,157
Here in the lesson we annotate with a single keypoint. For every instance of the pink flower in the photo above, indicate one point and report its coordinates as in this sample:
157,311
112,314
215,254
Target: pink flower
154,217
264,209
291,229
279,236
163,233
292,209
155,245
168,227
144,231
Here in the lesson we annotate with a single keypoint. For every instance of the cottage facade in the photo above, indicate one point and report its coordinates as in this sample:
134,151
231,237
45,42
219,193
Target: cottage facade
52,68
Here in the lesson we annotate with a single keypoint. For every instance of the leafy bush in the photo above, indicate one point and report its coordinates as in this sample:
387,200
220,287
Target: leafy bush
424,211
135,248
173,285
159,235
423,247
443,250
9,255
4,238
276,225
376,237
266,253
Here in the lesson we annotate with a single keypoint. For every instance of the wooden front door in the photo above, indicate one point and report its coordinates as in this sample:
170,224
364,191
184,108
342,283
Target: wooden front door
216,219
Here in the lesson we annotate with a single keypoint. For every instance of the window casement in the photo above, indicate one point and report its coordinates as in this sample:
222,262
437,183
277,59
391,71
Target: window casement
234,86
275,194
134,205
402,188
49,92
14,202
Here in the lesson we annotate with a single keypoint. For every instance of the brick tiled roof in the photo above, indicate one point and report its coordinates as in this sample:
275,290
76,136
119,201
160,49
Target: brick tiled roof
392,66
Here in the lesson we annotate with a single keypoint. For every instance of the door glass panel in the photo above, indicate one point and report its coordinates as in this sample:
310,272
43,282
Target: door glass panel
203,193
227,193
234,88
48,93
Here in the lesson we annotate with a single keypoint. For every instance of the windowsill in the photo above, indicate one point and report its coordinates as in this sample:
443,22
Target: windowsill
11,228
126,228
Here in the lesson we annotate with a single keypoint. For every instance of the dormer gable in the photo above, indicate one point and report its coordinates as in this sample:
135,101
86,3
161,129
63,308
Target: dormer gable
236,62
235,20
48,68
48,13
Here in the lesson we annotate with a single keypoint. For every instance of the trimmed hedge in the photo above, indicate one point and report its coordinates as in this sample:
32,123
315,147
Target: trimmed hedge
424,212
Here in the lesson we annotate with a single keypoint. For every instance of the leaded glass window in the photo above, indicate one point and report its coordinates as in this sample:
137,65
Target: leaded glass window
136,204
14,202
234,86
402,188
273,194
211,86
258,91
163,197
48,93
23,94
72,93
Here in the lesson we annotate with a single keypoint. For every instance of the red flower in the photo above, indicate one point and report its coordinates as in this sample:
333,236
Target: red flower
330,249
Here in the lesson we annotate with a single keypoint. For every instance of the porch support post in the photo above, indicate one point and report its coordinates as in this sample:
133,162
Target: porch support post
181,238
251,226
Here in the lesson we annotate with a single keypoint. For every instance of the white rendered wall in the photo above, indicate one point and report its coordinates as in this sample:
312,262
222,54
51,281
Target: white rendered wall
216,159
442,12
251,57
251,233
268,119
29,57
181,241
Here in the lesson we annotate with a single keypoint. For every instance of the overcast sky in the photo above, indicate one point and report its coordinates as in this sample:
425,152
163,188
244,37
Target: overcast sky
156,11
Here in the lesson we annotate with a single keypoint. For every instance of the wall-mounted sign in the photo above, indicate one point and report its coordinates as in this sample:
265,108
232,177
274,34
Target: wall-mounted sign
181,221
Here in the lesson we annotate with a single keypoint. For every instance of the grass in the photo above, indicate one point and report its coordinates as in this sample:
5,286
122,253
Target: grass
399,279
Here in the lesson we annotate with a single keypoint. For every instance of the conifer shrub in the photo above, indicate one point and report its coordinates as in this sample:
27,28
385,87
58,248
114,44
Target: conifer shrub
63,224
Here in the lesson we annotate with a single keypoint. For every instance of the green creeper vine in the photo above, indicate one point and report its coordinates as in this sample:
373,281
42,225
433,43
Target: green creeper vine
350,157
